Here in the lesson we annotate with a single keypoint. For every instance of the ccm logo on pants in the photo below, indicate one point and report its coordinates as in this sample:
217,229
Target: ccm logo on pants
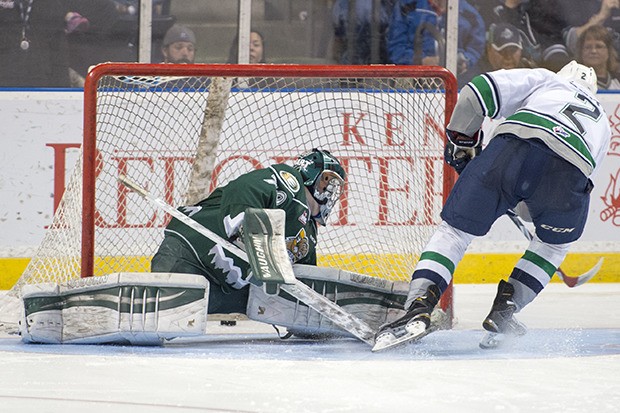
554,229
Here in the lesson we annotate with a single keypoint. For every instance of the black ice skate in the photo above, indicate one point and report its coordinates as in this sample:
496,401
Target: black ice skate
412,326
501,323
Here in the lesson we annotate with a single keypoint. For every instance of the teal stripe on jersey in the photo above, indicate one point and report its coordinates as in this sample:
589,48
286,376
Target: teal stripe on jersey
540,262
438,258
486,92
557,130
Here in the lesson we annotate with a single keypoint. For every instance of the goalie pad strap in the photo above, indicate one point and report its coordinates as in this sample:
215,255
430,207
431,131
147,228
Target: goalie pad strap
371,299
135,308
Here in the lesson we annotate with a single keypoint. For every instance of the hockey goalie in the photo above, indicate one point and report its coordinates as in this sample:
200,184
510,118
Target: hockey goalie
259,222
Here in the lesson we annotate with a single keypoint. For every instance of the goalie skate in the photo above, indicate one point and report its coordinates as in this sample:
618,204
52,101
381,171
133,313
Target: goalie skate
412,326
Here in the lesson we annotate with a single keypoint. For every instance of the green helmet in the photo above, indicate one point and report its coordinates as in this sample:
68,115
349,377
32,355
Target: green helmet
321,166
312,164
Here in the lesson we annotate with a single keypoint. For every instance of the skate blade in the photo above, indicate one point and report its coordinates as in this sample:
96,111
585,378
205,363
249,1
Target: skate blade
415,331
492,341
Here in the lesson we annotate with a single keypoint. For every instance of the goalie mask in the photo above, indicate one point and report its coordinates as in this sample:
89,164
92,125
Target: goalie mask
584,75
324,177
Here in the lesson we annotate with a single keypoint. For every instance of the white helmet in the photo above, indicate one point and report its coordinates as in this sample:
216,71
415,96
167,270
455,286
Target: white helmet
581,74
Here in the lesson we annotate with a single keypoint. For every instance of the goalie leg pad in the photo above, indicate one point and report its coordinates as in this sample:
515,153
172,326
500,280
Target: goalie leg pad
373,300
122,308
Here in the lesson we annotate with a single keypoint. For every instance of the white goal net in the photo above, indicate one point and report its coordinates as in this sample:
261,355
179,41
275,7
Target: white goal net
154,123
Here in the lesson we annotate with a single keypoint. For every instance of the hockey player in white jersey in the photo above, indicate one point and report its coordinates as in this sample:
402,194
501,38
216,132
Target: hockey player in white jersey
543,154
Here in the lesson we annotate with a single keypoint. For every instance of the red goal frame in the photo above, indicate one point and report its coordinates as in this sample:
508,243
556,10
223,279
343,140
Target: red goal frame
234,71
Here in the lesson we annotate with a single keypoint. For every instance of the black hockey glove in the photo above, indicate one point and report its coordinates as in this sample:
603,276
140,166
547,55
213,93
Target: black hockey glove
464,141
458,156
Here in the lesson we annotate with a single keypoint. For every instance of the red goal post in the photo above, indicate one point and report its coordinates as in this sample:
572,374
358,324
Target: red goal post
180,130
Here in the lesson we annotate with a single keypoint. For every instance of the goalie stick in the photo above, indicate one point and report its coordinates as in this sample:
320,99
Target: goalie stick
570,281
290,284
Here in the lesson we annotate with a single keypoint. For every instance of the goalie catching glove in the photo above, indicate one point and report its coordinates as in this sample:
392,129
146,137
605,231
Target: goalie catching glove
460,149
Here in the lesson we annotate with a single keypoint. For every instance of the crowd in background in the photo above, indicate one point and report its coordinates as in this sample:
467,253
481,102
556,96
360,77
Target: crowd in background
493,34
52,43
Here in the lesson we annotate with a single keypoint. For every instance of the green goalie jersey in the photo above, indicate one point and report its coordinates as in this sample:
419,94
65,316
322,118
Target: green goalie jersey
276,187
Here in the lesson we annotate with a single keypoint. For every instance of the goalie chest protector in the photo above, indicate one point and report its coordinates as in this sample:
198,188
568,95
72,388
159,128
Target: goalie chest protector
276,187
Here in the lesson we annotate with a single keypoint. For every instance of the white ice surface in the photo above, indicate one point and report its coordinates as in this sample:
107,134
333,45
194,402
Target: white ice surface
568,362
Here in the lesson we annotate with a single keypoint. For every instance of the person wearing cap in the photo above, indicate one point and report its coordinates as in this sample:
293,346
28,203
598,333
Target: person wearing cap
504,49
516,13
179,45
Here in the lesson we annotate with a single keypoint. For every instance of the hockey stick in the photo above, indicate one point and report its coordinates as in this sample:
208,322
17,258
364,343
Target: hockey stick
570,281
296,288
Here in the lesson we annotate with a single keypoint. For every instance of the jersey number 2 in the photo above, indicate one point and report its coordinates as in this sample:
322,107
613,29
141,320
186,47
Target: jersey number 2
571,110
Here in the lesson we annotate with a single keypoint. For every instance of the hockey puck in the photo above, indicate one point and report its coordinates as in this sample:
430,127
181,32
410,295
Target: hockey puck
228,322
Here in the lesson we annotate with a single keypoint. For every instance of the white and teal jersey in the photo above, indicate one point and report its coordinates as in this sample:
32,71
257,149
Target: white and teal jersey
537,103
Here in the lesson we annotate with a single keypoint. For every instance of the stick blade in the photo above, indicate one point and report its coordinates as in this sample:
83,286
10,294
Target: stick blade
572,282
123,179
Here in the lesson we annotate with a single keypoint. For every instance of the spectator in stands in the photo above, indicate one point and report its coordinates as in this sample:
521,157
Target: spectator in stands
591,13
515,12
412,33
126,28
257,56
364,28
33,44
92,37
504,50
486,9
179,45
53,43
548,19
257,48
559,24
76,24
595,49
416,26
471,34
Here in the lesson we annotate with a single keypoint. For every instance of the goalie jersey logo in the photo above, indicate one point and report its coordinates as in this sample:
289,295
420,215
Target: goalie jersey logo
298,246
